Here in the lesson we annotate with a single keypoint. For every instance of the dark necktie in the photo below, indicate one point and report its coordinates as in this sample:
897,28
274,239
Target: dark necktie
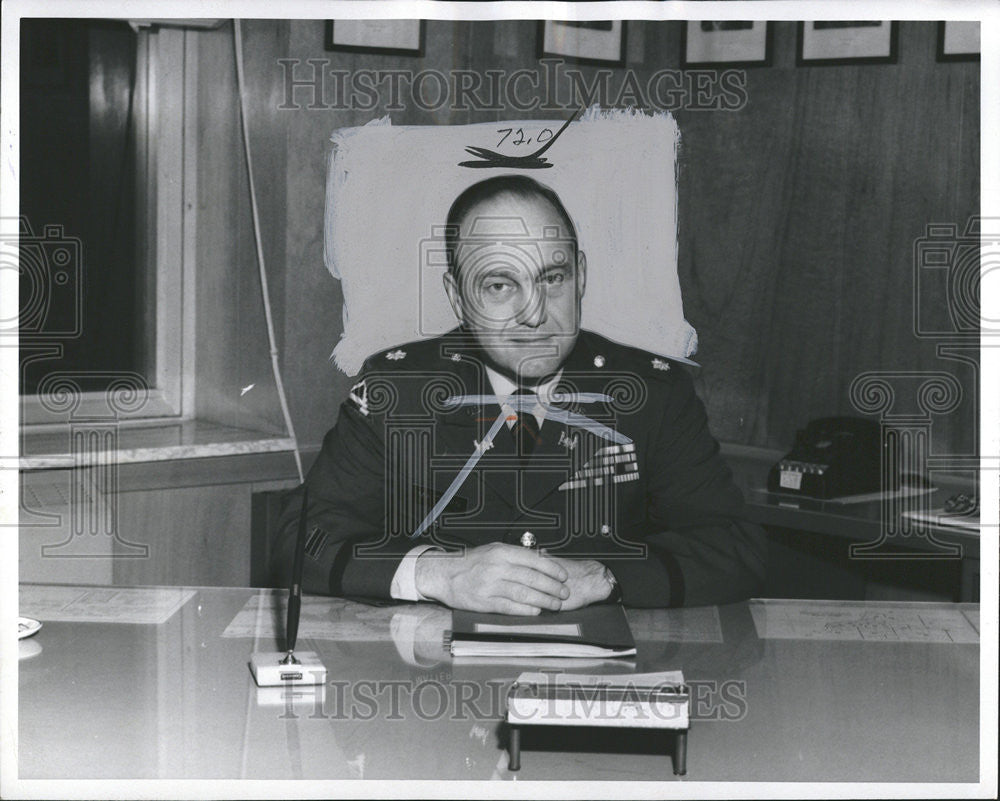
525,428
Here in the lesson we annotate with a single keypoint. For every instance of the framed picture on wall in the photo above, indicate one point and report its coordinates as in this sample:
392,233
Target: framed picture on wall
583,42
958,41
735,43
398,37
847,42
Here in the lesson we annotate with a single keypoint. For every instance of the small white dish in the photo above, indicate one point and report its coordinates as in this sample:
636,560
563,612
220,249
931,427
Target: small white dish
26,627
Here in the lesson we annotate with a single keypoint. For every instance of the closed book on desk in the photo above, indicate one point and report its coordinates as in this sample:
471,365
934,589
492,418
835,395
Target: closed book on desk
594,631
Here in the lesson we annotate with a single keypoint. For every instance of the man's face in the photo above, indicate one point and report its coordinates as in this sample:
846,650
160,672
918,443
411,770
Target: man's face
520,283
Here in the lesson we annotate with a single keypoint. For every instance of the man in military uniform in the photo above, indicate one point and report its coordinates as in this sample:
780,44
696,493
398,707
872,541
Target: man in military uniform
520,463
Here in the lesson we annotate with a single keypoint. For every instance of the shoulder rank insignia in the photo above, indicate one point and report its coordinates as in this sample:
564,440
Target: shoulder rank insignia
659,364
395,355
359,397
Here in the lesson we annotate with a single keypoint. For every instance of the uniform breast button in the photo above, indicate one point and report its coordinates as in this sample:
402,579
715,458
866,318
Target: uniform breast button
528,539
598,361
605,529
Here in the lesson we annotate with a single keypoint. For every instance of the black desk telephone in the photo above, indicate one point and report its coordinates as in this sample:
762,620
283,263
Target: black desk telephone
831,457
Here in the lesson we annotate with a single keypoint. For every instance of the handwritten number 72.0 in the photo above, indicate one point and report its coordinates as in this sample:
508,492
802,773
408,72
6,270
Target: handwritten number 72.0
519,139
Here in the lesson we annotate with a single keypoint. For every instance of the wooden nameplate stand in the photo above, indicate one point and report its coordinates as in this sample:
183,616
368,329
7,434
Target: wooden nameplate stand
540,699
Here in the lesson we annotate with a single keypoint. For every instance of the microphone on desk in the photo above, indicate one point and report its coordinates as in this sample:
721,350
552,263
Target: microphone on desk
279,669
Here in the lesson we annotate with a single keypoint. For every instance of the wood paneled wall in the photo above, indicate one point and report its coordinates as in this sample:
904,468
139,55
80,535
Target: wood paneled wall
798,214
232,346
798,219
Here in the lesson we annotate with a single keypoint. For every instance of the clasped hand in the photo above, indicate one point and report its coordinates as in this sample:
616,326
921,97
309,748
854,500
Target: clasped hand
510,579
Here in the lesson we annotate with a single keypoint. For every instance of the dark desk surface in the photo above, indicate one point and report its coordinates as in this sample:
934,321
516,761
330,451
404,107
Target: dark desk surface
860,522
176,700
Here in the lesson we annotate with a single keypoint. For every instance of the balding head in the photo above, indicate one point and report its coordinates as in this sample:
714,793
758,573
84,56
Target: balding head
462,217
516,276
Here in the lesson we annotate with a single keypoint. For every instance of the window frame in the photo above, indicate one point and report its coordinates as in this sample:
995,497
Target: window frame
165,109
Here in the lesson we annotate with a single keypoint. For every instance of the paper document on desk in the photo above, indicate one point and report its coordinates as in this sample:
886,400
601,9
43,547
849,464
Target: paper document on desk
680,624
886,621
153,605
321,618
939,517
612,664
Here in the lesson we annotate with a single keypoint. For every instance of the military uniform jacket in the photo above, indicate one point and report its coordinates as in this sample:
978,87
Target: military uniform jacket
625,471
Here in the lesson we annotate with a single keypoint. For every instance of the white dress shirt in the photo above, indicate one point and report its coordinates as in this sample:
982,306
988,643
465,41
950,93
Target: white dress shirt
503,388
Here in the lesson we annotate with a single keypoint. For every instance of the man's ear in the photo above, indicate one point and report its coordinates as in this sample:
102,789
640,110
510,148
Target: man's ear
454,295
581,273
